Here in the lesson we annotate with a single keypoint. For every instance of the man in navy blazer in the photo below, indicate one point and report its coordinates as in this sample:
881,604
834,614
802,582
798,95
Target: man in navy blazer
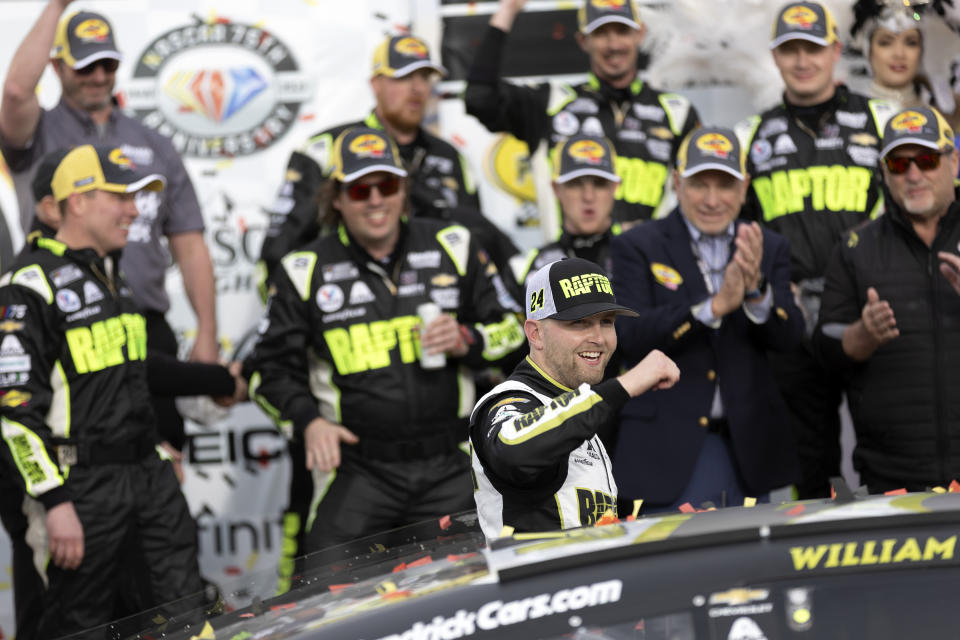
713,293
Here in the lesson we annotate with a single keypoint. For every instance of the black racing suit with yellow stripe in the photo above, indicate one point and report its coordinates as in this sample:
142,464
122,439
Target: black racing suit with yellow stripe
340,341
78,426
596,249
814,175
645,126
439,183
538,464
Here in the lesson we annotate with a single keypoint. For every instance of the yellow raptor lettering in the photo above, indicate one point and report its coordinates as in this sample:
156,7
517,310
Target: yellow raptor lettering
102,344
834,188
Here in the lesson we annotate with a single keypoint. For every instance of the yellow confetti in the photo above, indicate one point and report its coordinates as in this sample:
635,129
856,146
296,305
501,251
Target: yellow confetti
749,502
206,633
506,532
636,506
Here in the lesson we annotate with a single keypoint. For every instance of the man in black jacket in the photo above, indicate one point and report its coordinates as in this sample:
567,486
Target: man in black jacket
338,362
891,313
74,406
812,163
645,125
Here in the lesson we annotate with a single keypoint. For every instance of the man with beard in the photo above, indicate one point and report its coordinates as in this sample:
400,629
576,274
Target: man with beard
891,313
340,361
645,125
440,185
537,461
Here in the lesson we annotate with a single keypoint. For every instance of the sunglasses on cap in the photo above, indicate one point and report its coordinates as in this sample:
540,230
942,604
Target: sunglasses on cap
359,191
925,161
109,65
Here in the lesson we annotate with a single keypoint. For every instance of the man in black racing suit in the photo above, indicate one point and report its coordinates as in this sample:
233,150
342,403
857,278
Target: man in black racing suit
645,125
338,359
538,464
78,428
812,160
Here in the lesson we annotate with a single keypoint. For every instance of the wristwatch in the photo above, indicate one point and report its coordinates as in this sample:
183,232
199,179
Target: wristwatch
760,289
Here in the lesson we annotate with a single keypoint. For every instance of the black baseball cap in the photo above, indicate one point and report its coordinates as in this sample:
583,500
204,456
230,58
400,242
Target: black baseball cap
571,289
711,148
583,155
398,56
88,168
84,37
923,126
41,184
362,150
595,13
810,21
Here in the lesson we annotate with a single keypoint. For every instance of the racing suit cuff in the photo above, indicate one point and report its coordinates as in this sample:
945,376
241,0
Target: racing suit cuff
55,496
302,413
612,393
486,62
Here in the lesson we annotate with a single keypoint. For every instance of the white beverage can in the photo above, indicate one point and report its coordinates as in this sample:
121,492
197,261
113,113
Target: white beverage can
428,312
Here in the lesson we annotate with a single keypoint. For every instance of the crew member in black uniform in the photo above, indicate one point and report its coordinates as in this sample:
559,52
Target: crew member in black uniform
584,181
645,125
338,362
439,183
79,432
813,164
537,461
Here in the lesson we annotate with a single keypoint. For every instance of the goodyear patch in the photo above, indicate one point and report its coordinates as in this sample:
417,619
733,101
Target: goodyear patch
667,276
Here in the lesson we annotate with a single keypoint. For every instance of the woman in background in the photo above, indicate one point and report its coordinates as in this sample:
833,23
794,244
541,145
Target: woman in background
910,47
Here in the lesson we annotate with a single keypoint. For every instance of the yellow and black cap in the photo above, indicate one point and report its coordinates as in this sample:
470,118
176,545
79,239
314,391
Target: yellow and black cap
43,177
810,21
711,148
571,289
583,155
83,38
595,13
88,168
398,56
923,126
362,150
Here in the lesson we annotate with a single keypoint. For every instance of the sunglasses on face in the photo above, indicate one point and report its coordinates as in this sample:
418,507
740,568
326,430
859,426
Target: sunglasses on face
926,161
109,65
359,191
